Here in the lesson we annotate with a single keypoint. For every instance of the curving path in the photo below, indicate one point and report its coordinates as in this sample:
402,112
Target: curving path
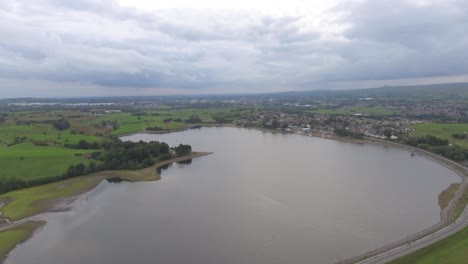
400,251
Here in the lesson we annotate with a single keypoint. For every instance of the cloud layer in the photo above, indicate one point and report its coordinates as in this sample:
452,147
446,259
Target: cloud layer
101,45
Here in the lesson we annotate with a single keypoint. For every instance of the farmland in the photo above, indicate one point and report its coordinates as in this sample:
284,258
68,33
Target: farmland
31,148
443,130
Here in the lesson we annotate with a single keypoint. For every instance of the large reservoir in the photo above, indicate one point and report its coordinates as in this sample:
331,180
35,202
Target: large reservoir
259,198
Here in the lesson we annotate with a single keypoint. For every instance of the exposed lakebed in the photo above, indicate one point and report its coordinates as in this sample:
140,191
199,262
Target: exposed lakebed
259,198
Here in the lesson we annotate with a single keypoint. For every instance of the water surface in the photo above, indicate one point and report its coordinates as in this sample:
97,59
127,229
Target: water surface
260,198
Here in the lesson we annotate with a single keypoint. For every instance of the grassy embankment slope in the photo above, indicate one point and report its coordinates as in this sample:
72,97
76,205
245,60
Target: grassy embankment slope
16,235
452,250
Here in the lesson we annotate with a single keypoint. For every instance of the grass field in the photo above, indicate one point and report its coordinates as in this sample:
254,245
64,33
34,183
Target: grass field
14,236
452,250
41,132
27,161
443,131
129,123
372,111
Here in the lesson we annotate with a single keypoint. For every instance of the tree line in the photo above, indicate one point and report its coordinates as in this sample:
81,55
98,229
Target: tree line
438,146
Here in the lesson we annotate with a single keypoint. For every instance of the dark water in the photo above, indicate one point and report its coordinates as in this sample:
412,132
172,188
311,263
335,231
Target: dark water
260,198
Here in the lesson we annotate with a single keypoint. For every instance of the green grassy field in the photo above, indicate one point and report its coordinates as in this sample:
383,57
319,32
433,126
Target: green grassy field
12,237
372,111
129,123
27,161
443,131
452,250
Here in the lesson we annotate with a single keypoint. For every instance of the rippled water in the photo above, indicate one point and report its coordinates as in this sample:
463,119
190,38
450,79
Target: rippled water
260,198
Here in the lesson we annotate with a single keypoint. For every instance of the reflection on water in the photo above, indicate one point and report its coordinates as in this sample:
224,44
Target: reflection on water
260,198
189,161
163,167
116,180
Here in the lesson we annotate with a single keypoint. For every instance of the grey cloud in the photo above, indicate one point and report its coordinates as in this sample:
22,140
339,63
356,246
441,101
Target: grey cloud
401,39
98,42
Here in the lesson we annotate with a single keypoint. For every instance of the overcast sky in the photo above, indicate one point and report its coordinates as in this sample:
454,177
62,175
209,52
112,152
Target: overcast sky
136,47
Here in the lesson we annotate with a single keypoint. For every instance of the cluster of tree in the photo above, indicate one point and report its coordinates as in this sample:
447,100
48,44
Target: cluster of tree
183,149
155,128
130,155
17,140
170,120
343,132
451,152
40,143
459,135
81,169
74,132
10,184
439,146
113,123
193,119
83,144
61,124
2,119
220,119
387,132
427,140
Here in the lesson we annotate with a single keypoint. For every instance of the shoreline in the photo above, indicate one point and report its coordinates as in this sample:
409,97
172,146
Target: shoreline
34,222
31,227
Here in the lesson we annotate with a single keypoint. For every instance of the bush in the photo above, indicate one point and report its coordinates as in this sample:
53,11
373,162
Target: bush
459,135
183,150
61,124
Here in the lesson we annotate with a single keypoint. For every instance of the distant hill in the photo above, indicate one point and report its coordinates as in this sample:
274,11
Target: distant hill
449,91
